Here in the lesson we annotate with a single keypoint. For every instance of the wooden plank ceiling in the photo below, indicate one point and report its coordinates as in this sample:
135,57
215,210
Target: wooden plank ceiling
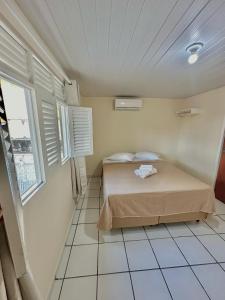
134,47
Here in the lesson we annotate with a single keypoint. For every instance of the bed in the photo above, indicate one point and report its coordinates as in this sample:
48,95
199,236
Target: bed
171,195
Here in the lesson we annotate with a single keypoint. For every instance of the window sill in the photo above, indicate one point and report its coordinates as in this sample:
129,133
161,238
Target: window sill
30,193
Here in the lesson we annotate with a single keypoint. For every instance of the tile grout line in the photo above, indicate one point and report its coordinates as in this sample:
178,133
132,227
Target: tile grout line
124,244
137,240
139,270
217,262
97,258
158,265
68,259
212,227
188,263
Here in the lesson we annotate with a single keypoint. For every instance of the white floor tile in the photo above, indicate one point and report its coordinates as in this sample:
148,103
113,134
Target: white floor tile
140,255
199,228
83,288
132,234
90,203
112,258
222,217
216,246
92,193
56,288
167,253
71,234
183,284
222,236
76,217
149,285
220,207
157,231
115,286
89,216
179,229
212,277
86,234
223,266
83,261
114,235
193,250
94,179
216,224
63,263
94,185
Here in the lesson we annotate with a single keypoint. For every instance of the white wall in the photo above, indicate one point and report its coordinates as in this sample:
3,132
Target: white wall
155,127
200,136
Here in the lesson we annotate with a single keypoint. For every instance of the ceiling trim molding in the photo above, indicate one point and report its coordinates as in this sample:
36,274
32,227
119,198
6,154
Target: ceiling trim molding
11,13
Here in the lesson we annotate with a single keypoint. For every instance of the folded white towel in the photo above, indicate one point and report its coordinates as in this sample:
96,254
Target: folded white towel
146,167
145,171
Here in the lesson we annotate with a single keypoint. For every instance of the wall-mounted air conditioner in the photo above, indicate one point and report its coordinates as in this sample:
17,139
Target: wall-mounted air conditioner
192,111
128,104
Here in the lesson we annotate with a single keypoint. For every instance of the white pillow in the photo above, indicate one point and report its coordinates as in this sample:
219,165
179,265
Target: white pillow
121,157
146,156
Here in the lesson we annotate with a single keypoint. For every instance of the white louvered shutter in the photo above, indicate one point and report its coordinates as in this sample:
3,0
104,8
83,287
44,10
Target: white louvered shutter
42,76
12,53
50,132
59,88
81,131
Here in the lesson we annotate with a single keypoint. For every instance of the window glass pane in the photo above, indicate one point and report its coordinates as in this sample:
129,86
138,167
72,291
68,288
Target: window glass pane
23,143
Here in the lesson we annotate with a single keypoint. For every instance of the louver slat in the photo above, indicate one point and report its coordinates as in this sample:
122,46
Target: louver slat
42,76
50,132
13,54
81,131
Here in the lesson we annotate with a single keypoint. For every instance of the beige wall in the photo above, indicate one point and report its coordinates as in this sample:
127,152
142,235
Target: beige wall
155,127
201,136
46,218
193,142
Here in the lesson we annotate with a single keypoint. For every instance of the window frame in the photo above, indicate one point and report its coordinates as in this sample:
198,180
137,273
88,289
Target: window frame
33,119
64,133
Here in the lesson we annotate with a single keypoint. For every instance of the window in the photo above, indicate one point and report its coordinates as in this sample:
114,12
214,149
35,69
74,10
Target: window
22,123
52,148
81,131
63,123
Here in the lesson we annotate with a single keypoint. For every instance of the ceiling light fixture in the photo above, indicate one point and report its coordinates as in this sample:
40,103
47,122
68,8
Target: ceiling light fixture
193,51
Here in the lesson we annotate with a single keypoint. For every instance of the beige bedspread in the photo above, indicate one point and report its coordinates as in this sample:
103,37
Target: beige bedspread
170,191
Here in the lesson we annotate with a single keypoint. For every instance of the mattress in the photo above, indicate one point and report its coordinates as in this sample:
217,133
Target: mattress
169,192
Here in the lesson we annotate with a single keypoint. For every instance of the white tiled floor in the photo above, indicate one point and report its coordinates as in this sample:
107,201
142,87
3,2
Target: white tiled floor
112,258
178,261
140,255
